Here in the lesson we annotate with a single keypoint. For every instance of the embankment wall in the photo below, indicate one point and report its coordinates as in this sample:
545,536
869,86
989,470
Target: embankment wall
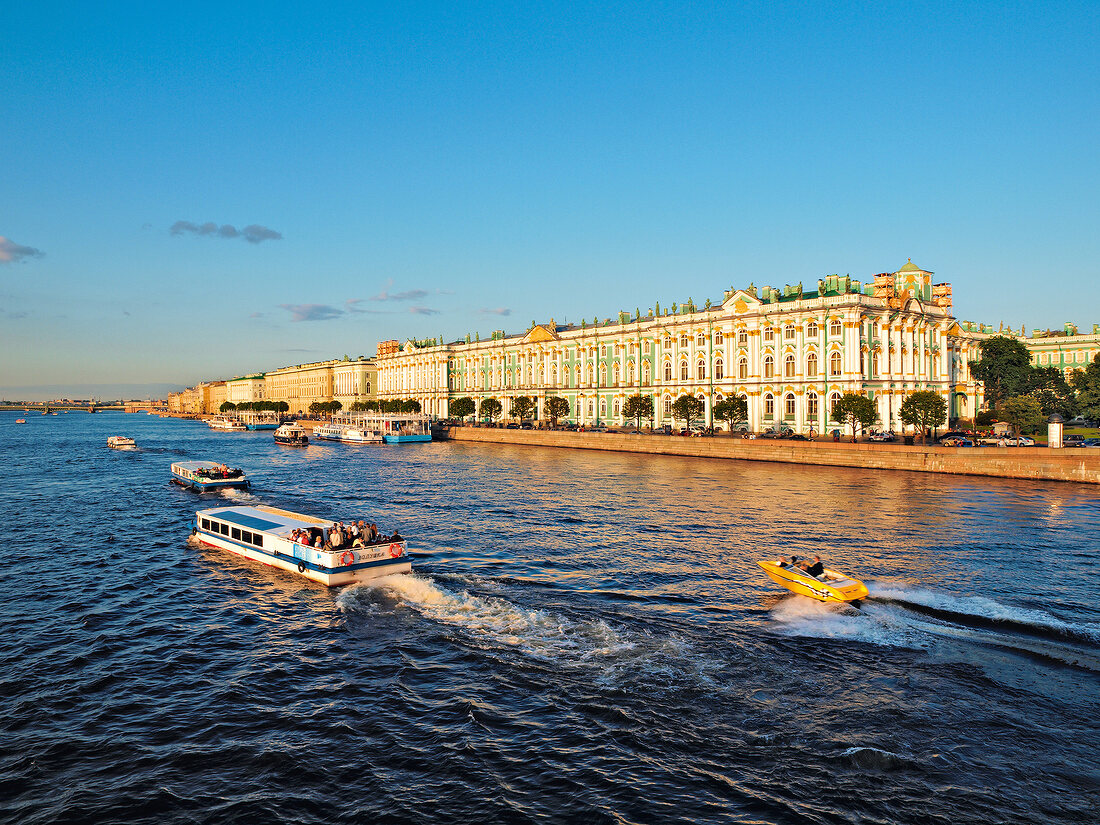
1079,464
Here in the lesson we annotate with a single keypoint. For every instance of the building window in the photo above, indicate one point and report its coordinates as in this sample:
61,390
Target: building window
743,369
788,405
874,365
700,340
683,370
833,398
718,339
769,334
811,329
718,374
834,328
769,367
683,339
811,404
603,408
668,342
616,408
743,338
788,366
668,370
834,364
811,365
769,405
668,405
788,333
700,370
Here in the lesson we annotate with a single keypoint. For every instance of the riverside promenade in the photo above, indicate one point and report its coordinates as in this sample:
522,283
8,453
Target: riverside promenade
1042,463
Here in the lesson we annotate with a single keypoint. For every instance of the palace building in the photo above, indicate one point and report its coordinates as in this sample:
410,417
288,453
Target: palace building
790,353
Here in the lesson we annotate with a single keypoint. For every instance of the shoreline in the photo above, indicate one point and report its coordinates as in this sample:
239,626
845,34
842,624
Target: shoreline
1080,464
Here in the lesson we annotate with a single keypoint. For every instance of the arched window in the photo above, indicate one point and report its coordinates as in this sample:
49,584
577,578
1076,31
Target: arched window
834,328
630,372
668,405
668,342
683,339
603,408
718,339
591,409
701,339
834,364
668,370
615,409
833,398
788,366
615,372
769,405
788,332
769,334
700,370
743,369
788,405
811,329
683,370
874,365
645,372
769,367
811,404
718,373
811,365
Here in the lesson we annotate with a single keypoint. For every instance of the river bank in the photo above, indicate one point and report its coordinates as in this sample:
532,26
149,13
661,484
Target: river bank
1040,463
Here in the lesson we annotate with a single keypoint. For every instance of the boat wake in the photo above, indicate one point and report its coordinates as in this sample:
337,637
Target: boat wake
925,620
490,622
239,496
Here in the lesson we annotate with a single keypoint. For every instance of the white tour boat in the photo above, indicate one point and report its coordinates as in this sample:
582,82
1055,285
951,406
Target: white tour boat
263,534
121,442
259,420
208,475
292,434
226,422
353,430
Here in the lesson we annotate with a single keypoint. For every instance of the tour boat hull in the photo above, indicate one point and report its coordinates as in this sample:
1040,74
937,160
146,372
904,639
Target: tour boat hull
262,534
201,476
837,587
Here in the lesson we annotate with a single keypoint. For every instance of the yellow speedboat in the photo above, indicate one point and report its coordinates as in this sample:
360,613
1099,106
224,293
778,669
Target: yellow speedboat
830,586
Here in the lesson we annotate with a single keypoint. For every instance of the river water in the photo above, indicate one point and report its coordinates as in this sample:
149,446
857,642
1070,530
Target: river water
586,638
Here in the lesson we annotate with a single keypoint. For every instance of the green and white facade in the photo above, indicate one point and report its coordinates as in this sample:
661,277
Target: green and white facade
788,352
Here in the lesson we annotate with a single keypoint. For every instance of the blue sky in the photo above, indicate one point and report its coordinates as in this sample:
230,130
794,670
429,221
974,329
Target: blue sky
199,192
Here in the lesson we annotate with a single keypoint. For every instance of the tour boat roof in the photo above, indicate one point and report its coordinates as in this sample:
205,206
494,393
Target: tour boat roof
269,519
197,465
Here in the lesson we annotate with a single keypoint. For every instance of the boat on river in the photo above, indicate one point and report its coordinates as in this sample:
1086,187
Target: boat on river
349,431
20,421
263,534
226,422
259,420
292,434
121,442
830,586
208,475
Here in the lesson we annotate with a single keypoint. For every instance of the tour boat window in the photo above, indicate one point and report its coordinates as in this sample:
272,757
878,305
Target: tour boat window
235,533
223,529
258,539
206,524
246,537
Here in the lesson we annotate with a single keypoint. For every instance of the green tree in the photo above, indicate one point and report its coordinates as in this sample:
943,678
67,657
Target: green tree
491,409
732,410
556,407
1023,413
687,407
523,407
1004,369
282,407
1087,384
638,407
227,406
1053,392
854,410
462,407
923,409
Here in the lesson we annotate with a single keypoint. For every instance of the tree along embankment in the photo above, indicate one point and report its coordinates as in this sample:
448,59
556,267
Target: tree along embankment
1078,464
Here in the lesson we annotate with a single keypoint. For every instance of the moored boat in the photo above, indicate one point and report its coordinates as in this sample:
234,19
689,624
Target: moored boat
259,420
830,586
264,534
121,442
226,422
20,421
292,434
348,432
208,475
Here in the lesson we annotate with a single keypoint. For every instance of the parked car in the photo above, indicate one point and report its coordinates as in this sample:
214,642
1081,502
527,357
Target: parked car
1073,440
1024,441
956,441
887,436
1091,442
770,433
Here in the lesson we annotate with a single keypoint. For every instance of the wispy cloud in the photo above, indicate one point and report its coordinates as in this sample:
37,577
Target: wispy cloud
253,233
312,312
11,252
497,311
409,295
423,311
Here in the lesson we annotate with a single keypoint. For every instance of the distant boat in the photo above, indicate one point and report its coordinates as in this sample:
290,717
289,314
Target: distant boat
292,434
20,421
208,475
226,422
121,442
829,586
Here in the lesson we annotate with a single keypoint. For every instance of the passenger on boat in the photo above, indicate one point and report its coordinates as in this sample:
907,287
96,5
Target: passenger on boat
817,568
396,536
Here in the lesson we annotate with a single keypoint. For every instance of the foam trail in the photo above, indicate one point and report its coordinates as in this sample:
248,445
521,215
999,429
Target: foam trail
800,616
242,496
983,608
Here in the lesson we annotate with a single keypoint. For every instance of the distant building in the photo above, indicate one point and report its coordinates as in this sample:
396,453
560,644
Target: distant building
245,389
1067,349
790,353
